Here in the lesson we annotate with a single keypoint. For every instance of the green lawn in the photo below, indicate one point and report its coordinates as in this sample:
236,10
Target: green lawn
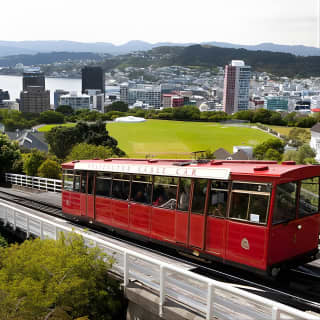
176,139
48,127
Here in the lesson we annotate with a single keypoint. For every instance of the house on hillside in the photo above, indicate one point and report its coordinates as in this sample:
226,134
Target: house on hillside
315,140
239,154
29,139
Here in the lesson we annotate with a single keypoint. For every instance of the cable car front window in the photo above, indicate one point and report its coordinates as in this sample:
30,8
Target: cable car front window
309,197
250,201
285,205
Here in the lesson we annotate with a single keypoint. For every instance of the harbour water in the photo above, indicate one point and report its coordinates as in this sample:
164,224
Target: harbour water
14,85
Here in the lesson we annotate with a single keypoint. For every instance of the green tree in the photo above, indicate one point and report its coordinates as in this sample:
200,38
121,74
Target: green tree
83,151
51,117
61,140
306,122
3,242
9,154
63,279
304,155
50,169
117,106
261,149
272,154
65,110
33,161
299,136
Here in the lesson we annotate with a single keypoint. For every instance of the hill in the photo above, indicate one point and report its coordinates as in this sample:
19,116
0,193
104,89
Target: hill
32,47
277,63
48,58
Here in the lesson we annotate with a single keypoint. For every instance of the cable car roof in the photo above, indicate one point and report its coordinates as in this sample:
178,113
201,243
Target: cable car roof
215,169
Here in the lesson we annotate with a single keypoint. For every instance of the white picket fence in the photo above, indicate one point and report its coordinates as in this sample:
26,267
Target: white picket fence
39,183
208,297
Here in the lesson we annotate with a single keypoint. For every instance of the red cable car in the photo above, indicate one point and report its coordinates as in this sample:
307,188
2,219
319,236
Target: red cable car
256,215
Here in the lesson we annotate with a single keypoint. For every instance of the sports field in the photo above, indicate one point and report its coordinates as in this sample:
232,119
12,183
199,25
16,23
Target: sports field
176,139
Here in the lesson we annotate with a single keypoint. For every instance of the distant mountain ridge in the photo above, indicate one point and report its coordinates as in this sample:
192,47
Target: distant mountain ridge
33,47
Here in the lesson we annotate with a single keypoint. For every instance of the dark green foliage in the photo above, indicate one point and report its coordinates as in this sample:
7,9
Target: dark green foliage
306,122
66,110
118,106
50,117
62,139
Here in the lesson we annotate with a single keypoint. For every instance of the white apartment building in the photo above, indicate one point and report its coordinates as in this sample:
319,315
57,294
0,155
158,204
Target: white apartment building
75,101
149,94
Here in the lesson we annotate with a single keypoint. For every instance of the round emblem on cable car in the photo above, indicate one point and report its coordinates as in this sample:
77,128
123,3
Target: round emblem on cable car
245,244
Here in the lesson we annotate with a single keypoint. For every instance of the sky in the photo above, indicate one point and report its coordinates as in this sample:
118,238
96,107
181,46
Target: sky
235,21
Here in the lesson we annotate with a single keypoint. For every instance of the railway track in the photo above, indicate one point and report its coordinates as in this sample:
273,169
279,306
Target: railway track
290,290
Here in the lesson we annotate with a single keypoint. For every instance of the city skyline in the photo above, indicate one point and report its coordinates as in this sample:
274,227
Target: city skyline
282,22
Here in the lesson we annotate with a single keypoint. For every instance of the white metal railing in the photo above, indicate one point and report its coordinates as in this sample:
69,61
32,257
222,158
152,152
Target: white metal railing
39,183
209,297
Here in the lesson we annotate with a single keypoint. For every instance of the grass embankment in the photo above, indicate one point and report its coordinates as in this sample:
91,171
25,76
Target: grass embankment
48,127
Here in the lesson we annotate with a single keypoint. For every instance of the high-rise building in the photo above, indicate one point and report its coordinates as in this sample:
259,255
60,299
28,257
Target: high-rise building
35,99
33,77
93,78
236,87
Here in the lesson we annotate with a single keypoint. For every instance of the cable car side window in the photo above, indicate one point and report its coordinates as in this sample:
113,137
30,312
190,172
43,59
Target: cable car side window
83,188
103,184
285,204
165,192
199,195
309,197
76,182
120,186
218,198
68,180
141,189
90,183
250,201
184,194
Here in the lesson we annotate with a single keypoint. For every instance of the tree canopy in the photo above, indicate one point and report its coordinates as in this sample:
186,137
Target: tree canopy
50,169
63,279
266,150
9,154
33,161
62,139
83,151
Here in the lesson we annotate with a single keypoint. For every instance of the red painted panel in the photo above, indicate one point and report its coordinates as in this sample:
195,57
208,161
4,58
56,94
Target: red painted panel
163,224
308,235
83,204
120,216
287,241
216,236
90,206
71,202
246,244
181,227
196,230
104,210
140,216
